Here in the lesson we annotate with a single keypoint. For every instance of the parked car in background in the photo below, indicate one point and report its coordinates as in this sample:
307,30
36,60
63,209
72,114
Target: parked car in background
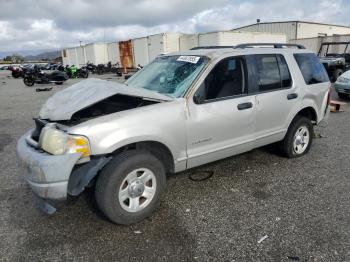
182,110
342,85
4,67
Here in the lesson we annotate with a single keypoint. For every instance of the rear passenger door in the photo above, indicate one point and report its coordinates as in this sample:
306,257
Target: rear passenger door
276,96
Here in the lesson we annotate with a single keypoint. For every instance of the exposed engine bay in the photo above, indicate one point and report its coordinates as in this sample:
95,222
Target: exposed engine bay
107,106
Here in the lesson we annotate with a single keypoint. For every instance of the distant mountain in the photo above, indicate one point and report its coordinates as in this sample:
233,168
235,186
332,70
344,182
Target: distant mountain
43,56
34,55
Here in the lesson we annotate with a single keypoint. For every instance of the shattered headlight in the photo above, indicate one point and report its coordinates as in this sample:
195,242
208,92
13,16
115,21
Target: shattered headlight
57,142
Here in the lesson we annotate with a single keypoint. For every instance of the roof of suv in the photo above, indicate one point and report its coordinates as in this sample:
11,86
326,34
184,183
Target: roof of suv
219,52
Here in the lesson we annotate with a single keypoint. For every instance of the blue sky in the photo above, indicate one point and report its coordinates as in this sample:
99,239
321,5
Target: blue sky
51,24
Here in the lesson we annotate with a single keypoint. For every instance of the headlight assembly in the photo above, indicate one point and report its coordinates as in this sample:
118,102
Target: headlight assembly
342,79
57,142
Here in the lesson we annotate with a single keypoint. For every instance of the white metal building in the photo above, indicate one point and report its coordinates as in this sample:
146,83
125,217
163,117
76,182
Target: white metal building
297,29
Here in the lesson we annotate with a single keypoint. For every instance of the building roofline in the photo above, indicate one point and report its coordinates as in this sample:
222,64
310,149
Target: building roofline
292,21
318,37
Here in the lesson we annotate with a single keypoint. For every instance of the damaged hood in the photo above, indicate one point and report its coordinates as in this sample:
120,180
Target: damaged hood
63,104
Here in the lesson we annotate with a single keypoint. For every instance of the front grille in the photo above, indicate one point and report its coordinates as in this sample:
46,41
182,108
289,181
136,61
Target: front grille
39,124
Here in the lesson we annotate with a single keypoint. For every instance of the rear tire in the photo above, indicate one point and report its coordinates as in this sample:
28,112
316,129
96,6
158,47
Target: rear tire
122,190
298,139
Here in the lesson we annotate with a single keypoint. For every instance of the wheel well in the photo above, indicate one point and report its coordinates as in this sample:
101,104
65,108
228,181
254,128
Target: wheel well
158,149
309,113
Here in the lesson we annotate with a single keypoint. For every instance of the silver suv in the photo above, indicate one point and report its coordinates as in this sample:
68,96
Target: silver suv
182,110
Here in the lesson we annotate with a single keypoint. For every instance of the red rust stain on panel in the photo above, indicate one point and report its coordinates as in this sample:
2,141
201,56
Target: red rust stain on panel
126,54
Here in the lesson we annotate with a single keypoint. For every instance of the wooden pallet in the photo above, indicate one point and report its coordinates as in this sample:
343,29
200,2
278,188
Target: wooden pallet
336,106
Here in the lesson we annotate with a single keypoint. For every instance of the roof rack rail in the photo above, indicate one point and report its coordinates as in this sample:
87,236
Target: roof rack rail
211,47
335,43
274,45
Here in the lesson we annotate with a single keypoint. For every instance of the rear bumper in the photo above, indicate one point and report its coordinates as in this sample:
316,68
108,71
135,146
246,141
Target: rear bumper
46,174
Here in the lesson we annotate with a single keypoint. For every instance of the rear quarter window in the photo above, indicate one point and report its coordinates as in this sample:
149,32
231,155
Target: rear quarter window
311,68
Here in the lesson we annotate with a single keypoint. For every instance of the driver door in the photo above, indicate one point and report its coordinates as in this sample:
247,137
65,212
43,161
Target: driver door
221,114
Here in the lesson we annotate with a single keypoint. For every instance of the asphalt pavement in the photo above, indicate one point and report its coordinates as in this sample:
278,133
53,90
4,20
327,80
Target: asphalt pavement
257,206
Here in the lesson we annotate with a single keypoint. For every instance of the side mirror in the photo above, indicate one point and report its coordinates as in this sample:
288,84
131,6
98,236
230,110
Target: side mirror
198,99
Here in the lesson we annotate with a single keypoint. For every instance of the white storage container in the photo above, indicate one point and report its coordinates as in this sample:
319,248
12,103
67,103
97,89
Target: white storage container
96,53
80,56
113,53
229,38
188,41
140,48
162,44
72,55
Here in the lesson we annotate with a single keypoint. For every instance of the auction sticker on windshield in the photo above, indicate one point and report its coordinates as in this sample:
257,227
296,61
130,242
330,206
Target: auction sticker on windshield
190,59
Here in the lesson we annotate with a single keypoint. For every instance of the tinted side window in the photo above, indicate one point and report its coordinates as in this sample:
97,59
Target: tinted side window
311,68
225,80
267,72
272,72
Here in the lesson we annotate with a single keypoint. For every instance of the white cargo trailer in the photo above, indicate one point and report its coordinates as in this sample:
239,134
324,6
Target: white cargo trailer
113,52
162,44
229,38
72,54
80,56
188,41
96,53
140,51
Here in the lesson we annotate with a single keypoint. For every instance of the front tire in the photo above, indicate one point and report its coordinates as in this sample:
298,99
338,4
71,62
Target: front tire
298,139
338,72
128,189
85,74
28,81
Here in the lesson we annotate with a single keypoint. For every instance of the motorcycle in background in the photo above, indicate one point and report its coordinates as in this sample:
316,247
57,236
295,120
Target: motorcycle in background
36,76
91,67
109,68
18,72
74,72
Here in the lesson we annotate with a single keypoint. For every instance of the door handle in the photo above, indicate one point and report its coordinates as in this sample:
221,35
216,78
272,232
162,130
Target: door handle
245,106
292,96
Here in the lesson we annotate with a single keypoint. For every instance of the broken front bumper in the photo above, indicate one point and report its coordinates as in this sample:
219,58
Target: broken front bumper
46,174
